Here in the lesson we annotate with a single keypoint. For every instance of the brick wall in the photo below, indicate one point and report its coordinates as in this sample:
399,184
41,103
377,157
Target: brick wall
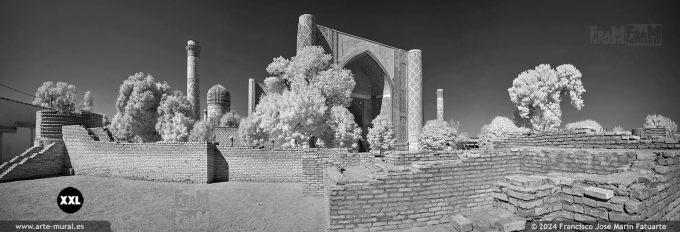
174,162
35,163
417,195
313,165
49,123
538,160
637,195
406,158
183,162
258,165
584,139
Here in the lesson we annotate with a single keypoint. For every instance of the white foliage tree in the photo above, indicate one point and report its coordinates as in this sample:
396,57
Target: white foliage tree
202,131
88,102
251,132
537,94
299,95
345,131
381,135
496,129
436,134
657,120
175,117
138,99
230,119
60,96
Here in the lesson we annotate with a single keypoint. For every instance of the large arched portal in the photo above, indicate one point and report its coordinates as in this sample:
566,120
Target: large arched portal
371,86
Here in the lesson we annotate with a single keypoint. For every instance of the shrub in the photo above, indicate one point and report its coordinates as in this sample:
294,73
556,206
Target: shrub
585,124
381,136
203,131
437,135
230,119
496,128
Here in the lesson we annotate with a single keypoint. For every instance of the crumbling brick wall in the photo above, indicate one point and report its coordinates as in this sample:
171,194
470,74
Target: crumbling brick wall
417,196
313,165
583,139
645,194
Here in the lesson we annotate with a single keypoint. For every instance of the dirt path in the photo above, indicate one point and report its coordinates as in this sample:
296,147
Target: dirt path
132,205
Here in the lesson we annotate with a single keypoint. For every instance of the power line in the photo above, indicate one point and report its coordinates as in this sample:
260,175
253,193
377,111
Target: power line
1,84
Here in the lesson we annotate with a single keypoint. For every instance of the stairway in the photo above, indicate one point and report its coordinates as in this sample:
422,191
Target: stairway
6,168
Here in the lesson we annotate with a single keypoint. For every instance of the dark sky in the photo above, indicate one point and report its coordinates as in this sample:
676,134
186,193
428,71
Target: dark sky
472,49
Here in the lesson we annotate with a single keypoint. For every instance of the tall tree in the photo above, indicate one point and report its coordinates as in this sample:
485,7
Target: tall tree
537,94
88,102
299,95
381,135
175,117
60,96
138,99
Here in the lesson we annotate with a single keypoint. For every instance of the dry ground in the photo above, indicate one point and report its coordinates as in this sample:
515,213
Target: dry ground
132,205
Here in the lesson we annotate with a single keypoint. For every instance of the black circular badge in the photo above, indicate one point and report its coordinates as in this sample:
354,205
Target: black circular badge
70,200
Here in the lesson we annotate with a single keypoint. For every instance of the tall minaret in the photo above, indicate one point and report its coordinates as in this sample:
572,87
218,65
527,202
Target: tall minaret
251,95
415,98
193,52
306,34
440,104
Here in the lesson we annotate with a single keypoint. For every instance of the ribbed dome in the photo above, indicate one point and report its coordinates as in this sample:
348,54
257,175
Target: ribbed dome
218,94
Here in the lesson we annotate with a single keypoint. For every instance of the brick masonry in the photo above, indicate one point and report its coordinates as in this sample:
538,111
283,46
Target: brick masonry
49,123
192,162
313,165
258,165
642,195
38,161
585,139
173,162
420,193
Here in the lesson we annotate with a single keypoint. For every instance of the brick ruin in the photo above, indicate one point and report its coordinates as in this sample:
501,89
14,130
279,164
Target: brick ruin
568,176
528,183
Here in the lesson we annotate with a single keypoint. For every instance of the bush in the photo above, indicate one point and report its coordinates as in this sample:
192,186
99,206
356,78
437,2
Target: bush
381,135
230,119
437,135
174,117
585,124
60,96
657,120
203,131
345,131
496,128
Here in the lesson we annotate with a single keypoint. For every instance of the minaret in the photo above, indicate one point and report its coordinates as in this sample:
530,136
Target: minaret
415,98
306,34
440,104
251,95
193,90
